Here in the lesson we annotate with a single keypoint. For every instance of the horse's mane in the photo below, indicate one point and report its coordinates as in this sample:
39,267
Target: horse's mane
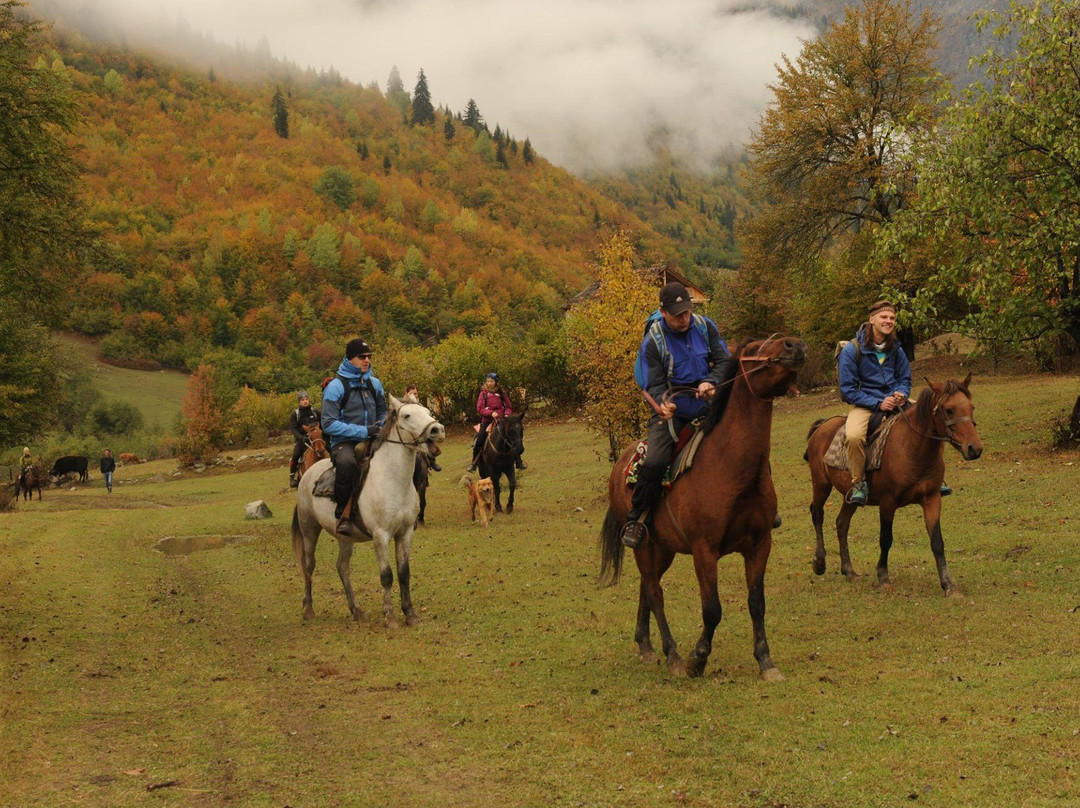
384,432
722,396
924,409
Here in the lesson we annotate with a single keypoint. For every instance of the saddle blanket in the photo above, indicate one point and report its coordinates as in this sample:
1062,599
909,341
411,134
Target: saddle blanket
683,460
836,456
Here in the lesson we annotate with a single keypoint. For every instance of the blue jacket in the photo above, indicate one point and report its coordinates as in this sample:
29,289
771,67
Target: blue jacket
868,380
694,360
365,408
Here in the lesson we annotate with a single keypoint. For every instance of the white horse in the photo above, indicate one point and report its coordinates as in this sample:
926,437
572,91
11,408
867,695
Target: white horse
388,508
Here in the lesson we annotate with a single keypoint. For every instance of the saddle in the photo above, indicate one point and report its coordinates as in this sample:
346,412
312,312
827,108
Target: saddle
324,486
877,433
682,457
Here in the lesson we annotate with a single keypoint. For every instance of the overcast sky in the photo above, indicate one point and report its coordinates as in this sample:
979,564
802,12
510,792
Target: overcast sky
587,81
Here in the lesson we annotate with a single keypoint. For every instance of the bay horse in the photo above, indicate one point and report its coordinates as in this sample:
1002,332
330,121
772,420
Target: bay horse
724,504
388,506
500,453
315,450
30,478
912,469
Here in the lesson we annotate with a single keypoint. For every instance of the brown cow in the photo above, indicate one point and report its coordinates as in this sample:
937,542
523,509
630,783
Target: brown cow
128,458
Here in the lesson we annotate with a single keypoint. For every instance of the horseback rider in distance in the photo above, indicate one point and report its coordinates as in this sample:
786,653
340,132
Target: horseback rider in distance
696,361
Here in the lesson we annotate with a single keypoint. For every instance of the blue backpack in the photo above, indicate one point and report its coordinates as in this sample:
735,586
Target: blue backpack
653,330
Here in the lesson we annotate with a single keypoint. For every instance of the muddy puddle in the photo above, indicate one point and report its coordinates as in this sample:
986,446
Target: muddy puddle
186,545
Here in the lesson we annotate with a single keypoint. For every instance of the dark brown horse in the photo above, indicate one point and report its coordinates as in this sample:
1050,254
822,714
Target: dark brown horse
30,478
316,448
912,468
725,504
501,450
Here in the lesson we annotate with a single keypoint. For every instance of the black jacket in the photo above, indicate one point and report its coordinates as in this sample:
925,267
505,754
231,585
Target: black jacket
301,417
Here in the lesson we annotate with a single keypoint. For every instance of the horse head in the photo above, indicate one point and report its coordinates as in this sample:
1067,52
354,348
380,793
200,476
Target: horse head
952,412
769,366
413,425
509,435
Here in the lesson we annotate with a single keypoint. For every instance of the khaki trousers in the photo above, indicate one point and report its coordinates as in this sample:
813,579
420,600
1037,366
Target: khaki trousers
858,420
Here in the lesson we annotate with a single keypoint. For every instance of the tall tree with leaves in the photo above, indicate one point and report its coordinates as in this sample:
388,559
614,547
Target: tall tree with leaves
423,113
605,333
831,162
281,114
1000,192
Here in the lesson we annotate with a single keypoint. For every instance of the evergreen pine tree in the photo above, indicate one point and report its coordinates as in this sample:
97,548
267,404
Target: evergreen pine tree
395,91
281,114
500,154
448,127
527,152
423,113
473,119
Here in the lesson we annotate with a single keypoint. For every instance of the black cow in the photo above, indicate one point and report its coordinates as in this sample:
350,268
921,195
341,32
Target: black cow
70,465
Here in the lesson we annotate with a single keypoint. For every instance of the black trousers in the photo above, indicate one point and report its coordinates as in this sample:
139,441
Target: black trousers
478,443
657,459
347,468
298,451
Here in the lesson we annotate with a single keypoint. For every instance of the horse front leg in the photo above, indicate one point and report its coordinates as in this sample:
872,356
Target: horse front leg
886,512
511,481
496,491
705,559
755,563
932,518
651,564
402,549
386,576
344,571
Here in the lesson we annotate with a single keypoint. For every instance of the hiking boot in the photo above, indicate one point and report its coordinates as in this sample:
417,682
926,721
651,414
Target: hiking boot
470,468
434,466
294,480
859,494
345,528
634,533
945,489
777,522
520,464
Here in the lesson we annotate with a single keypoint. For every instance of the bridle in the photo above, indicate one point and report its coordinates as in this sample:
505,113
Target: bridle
496,430
413,442
948,423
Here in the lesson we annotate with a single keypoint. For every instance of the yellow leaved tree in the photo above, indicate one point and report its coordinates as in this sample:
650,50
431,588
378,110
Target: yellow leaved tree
604,334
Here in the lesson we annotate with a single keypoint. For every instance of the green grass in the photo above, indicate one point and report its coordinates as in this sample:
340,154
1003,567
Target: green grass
124,668
157,394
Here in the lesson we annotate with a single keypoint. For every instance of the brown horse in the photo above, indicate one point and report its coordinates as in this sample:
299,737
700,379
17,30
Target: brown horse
30,478
725,504
912,468
316,448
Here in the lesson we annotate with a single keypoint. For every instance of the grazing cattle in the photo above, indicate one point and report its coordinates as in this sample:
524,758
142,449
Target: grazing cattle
72,464
127,458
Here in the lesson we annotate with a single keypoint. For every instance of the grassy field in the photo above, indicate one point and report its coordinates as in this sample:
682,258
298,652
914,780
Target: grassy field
133,677
157,394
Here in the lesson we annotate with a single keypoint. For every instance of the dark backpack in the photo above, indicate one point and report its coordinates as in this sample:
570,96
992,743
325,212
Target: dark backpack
345,384
653,330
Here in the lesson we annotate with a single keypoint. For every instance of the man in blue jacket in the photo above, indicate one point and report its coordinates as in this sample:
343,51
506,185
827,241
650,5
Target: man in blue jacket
874,375
696,360
353,410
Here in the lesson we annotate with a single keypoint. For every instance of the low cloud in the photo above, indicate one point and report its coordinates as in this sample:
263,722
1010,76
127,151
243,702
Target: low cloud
590,82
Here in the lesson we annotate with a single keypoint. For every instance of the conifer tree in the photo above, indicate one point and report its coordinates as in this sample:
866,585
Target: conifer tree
472,118
448,127
395,91
423,113
281,114
527,152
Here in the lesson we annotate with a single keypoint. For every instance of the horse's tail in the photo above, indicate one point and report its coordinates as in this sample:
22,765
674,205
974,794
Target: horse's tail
297,537
813,428
611,549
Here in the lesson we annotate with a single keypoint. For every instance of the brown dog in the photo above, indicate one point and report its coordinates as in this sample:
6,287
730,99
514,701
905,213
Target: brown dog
482,495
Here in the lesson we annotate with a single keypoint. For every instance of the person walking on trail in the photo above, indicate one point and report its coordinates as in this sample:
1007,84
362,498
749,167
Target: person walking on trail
304,415
108,466
696,359
353,411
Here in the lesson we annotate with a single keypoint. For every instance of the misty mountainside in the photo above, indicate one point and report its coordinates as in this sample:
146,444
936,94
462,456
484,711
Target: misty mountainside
278,215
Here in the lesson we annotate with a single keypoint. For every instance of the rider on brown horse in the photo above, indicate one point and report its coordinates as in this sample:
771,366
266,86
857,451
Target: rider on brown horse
304,415
696,359
874,376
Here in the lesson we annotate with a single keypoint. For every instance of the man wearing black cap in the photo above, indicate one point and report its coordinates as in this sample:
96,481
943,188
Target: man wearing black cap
304,415
354,408
693,360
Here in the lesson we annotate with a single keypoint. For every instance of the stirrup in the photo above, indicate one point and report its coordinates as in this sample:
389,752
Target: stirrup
634,533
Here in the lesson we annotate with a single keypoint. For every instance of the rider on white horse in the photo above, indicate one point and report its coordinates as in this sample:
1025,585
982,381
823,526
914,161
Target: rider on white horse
353,411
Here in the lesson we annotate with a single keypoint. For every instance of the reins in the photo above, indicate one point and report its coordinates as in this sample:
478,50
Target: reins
948,422
491,439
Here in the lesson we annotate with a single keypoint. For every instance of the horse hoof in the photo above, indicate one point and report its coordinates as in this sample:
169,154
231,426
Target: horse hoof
411,619
695,669
509,509
850,574
819,566
953,592
309,614
648,657
676,667
772,675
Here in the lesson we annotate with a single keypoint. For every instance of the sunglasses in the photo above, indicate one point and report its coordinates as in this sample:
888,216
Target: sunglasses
363,356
